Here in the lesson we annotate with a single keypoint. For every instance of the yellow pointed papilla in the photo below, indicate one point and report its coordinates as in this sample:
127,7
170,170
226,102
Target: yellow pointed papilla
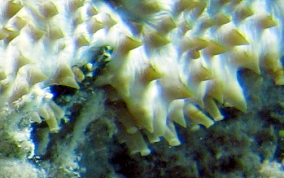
73,5
193,43
234,96
48,9
58,112
94,25
200,73
91,10
64,76
18,23
12,9
182,5
134,142
21,61
35,117
79,75
125,118
2,74
166,25
184,26
12,34
3,34
81,40
52,122
242,12
108,21
234,37
180,90
176,113
149,7
244,58
265,21
193,54
156,40
35,33
273,65
279,77
216,90
151,73
77,20
214,48
199,8
55,33
221,19
35,75
127,44
212,108
171,136
142,117
197,116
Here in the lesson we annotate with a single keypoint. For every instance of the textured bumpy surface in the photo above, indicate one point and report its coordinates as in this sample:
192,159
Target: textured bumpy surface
172,61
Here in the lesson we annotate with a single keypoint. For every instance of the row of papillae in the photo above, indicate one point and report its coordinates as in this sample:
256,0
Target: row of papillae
177,60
